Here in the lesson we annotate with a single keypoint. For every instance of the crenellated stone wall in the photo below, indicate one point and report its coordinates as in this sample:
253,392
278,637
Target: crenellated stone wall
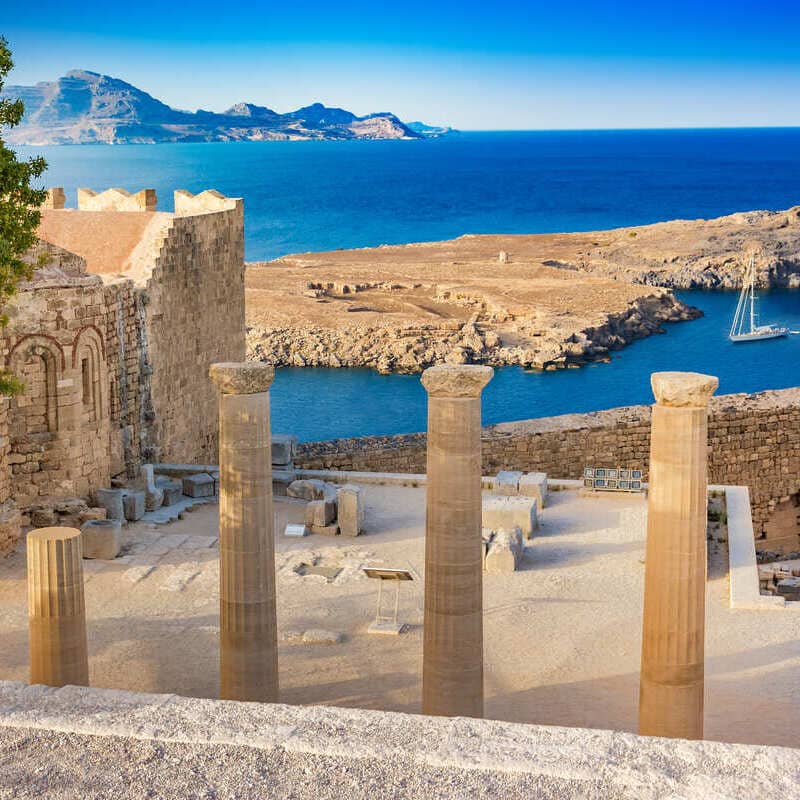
113,200
754,441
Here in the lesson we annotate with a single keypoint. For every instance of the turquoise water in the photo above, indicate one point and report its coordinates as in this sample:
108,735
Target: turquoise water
305,196
325,403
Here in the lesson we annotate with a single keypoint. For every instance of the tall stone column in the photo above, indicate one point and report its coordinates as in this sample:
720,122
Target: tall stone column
248,624
56,611
452,668
672,673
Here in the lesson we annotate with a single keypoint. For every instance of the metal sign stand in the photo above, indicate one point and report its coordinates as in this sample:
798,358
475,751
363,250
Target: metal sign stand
386,621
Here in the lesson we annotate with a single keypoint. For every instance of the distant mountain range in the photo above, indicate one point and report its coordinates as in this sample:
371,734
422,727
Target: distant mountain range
88,108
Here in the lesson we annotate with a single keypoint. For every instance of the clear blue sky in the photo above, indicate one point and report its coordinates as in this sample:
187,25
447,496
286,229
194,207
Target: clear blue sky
473,64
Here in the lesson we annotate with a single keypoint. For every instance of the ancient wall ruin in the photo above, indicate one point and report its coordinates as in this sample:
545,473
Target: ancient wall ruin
65,335
754,441
112,339
195,317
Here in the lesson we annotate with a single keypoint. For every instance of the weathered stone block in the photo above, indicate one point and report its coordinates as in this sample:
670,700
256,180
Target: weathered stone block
281,480
283,449
789,588
72,506
43,517
112,501
133,503
153,499
507,513
154,496
534,484
326,530
91,513
350,500
10,529
312,489
320,513
505,552
101,538
201,485
172,490
507,482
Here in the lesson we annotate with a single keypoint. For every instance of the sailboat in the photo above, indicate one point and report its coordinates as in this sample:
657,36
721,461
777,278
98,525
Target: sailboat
746,313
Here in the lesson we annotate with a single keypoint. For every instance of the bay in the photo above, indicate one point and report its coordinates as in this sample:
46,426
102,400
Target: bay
317,404
312,196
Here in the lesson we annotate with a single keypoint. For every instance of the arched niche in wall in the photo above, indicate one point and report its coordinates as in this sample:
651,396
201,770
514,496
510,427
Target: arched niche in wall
88,359
38,361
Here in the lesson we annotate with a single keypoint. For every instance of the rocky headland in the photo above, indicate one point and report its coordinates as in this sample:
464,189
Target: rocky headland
546,301
698,254
548,320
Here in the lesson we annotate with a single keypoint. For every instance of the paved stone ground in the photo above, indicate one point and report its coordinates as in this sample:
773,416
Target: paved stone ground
562,636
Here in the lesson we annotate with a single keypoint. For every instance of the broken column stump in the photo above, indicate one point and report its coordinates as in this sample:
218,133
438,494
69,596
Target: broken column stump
56,611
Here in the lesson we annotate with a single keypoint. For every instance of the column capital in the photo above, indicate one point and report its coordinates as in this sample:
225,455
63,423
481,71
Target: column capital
246,377
683,389
456,380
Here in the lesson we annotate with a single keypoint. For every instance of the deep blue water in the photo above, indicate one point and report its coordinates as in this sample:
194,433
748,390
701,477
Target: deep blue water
302,196
325,403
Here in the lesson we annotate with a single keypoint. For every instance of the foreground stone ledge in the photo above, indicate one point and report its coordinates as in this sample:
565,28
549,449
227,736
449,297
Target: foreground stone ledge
406,755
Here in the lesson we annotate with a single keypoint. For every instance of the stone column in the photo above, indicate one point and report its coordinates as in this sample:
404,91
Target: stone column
56,611
672,672
248,625
452,668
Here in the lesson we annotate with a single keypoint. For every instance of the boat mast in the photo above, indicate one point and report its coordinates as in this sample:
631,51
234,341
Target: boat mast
752,292
739,315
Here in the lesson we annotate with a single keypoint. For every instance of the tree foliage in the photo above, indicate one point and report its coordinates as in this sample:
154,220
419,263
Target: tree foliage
19,207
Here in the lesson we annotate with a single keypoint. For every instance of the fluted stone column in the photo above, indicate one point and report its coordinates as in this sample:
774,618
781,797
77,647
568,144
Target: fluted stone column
248,625
452,669
56,611
672,673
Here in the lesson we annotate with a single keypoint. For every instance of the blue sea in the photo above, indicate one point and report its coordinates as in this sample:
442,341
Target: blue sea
310,196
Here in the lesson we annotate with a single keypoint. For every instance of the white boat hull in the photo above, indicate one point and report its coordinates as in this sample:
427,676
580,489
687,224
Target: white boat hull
759,335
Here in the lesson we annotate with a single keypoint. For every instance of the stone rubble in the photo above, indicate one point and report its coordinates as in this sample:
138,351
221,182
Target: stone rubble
503,550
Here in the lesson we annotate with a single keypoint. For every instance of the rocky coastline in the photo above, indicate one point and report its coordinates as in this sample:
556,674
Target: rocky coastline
779,274
540,301
411,349
700,254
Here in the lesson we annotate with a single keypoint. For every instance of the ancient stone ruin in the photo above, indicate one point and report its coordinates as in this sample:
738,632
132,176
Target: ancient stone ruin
112,338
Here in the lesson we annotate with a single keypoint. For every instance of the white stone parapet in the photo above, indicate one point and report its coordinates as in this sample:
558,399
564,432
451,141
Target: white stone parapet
281,750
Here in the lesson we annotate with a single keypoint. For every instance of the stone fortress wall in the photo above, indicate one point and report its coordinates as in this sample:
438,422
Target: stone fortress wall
112,338
754,441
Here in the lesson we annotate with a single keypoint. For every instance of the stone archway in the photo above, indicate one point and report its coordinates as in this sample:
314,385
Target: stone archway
38,362
88,360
